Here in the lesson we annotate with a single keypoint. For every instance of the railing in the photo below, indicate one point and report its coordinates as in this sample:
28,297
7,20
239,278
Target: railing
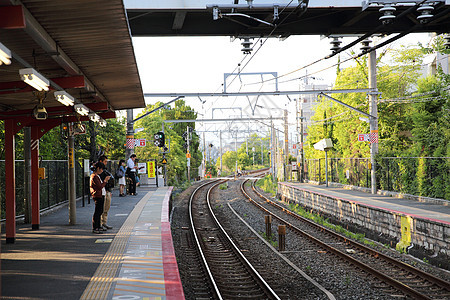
53,189
421,176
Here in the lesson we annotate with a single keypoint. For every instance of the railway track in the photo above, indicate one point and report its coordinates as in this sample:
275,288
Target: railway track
394,276
229,273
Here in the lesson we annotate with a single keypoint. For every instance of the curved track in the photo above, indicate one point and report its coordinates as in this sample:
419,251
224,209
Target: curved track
393,273
229,272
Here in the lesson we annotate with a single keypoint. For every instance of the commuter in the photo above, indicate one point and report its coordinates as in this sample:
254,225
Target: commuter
138,180
98,192
121,175
109,185
131,171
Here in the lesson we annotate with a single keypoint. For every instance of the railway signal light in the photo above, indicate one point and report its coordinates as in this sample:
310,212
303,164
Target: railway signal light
159,139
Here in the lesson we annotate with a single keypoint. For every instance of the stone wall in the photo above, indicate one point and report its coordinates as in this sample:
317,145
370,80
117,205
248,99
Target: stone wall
429,238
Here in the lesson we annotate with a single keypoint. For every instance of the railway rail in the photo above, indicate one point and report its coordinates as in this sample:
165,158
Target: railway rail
410,281
229,273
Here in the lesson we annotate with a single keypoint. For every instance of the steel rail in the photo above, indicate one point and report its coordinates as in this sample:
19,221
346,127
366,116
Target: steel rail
441,283
205,263
261,280
268,290
391,281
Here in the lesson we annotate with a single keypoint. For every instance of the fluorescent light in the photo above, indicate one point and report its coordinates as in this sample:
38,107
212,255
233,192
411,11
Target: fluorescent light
94,117
81,109
102,122
33,78
5,55
64,98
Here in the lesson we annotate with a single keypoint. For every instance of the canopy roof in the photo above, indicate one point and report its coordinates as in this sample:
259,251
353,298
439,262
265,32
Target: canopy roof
82,46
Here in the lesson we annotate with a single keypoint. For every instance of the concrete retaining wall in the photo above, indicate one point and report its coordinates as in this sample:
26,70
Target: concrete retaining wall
429,238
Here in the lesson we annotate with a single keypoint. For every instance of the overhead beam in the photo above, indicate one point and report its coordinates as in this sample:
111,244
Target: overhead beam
178,20
274,93
72,82
12,17
56,111
221,120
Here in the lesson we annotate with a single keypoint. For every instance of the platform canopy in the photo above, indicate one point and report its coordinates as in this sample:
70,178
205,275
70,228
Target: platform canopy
282,18
83,47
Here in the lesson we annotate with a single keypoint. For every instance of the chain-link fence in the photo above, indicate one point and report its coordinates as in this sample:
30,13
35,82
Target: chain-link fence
422,176
54,188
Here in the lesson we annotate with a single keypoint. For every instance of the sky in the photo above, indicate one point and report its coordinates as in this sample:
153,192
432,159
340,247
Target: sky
198,64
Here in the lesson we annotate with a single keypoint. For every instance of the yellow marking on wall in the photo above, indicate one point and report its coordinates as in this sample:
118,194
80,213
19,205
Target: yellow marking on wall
405,241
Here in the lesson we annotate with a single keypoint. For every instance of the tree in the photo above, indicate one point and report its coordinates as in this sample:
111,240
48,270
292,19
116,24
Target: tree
176,159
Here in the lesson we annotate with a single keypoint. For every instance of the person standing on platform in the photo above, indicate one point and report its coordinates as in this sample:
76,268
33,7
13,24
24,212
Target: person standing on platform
98,192
104,160
121,172
131,168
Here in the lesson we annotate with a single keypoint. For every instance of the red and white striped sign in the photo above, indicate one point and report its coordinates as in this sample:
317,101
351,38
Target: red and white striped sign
130,143
374,136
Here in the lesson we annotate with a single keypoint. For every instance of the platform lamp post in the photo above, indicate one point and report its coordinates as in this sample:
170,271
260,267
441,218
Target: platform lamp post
324,145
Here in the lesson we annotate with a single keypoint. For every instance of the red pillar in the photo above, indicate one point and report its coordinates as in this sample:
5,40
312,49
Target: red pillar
10,182
35,196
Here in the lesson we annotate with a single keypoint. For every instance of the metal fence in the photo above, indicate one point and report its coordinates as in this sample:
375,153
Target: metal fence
54,189
422,176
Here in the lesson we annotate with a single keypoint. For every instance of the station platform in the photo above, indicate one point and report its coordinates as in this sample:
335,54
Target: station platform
431,211
134,260
417,227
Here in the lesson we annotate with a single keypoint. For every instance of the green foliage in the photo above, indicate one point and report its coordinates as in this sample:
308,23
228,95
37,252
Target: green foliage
267,185
176,159
251,161
419,127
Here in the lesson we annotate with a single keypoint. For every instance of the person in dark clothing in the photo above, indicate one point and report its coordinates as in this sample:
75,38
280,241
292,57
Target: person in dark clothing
98,192
109,185
131,172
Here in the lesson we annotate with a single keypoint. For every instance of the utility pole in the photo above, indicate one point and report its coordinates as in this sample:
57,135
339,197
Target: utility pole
204,153
72,192
302,152
373,111
130,135
262,153
220,141
272,151
235,150
286,145
188,155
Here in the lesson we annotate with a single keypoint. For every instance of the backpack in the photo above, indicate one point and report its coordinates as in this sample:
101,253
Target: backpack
119,173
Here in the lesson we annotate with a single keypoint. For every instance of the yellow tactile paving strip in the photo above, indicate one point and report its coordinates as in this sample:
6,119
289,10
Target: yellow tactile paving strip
100,284
144,257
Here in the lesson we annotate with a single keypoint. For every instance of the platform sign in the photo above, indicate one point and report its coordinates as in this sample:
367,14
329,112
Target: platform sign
363,137
151,169
140,142
294,165
142,168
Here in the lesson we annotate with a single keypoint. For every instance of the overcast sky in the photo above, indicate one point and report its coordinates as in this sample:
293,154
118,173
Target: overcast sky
198,64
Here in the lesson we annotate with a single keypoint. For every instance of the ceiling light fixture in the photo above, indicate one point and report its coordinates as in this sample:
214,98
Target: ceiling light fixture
5,55
33,78
94,117
81,109
64,98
